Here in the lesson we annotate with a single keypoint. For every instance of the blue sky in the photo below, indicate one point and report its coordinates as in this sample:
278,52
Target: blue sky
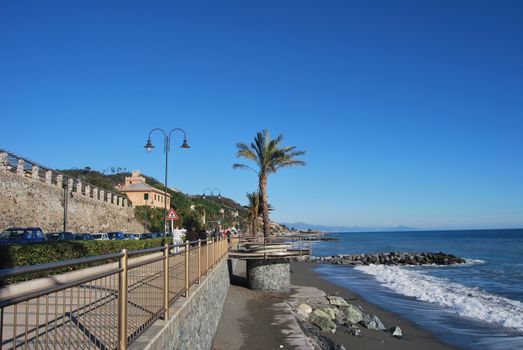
411,112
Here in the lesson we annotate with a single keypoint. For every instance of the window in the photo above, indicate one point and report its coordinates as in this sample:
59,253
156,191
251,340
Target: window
145,196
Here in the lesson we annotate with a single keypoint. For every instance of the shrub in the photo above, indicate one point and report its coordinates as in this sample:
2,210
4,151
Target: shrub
39,253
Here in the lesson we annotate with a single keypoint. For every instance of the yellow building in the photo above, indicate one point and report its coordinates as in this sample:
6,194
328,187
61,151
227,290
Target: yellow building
141,193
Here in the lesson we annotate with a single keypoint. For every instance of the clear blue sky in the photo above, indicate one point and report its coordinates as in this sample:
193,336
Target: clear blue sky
411,112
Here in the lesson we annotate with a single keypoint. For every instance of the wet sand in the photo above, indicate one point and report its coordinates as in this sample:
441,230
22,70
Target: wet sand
254,320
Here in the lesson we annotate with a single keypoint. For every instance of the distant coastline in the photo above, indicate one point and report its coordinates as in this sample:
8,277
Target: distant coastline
301,226
326,228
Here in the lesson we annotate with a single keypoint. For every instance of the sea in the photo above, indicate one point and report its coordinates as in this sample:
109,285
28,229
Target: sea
477,305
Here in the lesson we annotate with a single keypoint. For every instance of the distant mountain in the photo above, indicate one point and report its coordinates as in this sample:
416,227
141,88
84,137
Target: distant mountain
324,228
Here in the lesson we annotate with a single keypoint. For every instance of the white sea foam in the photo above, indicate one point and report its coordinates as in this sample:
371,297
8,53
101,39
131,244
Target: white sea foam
457,298
474,261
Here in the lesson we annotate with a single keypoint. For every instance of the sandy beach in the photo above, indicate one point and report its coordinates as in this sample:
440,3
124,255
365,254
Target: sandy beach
254,320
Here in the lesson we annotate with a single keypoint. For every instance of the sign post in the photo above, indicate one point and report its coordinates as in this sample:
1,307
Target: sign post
171,216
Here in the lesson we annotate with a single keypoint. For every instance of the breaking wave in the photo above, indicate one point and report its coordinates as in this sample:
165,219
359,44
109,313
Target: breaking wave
456,298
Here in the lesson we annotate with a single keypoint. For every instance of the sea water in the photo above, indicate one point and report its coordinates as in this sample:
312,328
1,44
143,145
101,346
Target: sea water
477,305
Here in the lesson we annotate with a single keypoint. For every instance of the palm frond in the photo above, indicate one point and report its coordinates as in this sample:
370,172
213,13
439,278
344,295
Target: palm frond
243,167
243,151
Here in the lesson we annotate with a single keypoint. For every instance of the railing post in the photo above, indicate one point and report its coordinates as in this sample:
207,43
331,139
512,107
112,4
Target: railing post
207,257
214,242
166,282
187,269
199,260
122,302
212,254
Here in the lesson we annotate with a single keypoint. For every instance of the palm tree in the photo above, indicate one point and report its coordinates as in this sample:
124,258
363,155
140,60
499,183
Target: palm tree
253,208
269,156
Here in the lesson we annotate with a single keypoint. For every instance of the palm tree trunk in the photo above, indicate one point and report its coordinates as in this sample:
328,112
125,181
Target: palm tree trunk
253,216
265,206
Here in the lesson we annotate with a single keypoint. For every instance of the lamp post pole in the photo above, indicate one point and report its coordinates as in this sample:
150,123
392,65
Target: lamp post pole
66,203
166,147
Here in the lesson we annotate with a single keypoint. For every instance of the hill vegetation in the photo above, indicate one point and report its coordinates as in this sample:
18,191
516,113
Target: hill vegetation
191,209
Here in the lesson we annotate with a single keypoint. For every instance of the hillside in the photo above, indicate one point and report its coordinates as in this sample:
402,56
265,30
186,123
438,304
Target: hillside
190,208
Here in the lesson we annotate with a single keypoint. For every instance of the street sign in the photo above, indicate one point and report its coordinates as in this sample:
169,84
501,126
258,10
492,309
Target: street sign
172,215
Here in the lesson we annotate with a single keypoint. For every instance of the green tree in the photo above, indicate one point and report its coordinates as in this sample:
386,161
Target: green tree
269,156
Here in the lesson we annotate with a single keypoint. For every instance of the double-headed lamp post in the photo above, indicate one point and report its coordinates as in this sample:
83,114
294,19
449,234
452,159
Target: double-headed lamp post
211,191
166,146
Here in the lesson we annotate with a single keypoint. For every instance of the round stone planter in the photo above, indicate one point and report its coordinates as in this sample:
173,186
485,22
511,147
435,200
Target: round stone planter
269,275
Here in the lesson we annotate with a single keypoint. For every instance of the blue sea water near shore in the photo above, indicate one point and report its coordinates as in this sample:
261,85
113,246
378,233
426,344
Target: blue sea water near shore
478,305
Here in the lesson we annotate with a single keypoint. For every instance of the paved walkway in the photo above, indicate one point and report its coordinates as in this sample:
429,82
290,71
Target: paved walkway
256,320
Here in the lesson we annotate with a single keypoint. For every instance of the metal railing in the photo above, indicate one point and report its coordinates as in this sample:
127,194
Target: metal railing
101,307
300,245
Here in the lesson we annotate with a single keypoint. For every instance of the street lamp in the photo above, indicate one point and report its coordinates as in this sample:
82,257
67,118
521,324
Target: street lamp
211,191
166,147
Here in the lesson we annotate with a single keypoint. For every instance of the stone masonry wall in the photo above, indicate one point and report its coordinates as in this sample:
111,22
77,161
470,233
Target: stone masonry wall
28,202
271,275
193,321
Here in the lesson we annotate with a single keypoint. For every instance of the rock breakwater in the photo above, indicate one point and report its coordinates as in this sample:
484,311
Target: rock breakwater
390,258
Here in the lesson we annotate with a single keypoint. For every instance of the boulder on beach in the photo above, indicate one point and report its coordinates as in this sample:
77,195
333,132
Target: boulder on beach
337,301
321,313
352,314
396,331
305,309
332,312
372,322
354,331
323,321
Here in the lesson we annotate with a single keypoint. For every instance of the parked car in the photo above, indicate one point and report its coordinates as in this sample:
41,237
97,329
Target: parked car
22,235
100,236
144,235
115,235
83,237
59,236
130,236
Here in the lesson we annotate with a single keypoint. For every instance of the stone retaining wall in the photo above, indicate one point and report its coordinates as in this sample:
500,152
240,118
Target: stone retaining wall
29,202
194,320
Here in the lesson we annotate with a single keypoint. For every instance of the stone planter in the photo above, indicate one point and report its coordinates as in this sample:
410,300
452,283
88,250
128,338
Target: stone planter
269,275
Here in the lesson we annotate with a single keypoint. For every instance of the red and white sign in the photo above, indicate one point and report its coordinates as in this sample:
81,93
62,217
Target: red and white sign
172,215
